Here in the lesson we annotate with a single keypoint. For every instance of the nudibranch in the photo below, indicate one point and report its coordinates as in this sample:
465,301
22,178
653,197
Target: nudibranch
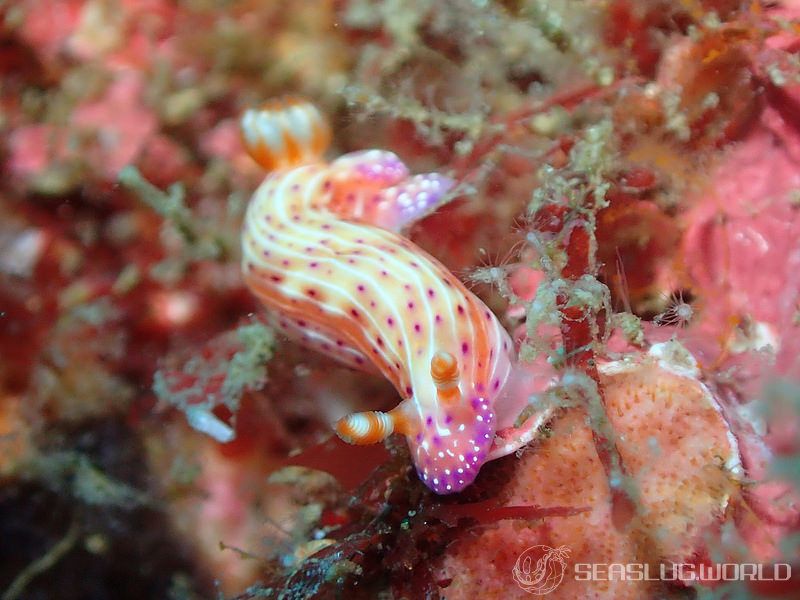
322,251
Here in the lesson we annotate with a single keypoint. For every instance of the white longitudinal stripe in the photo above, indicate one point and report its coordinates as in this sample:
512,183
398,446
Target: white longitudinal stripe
360,231
355,275
427,399
503,337
443,292
395,262
303,235
322,337
281,200
424,391
345,354
434,278
497,344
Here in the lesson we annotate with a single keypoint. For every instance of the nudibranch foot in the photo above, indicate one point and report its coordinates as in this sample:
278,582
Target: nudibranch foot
511,439
322,339
365,169
374,187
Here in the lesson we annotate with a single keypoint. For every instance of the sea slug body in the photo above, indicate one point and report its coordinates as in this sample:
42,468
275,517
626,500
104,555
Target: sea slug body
323,253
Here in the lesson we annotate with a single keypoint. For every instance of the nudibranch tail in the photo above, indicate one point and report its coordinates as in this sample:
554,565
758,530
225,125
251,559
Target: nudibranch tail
285,133
414,199
369,169
369,427
374,186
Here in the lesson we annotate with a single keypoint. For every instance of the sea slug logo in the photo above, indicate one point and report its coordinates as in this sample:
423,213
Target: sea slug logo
540,569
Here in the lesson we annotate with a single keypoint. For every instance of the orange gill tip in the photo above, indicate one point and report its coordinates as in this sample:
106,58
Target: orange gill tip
284,133
445,375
